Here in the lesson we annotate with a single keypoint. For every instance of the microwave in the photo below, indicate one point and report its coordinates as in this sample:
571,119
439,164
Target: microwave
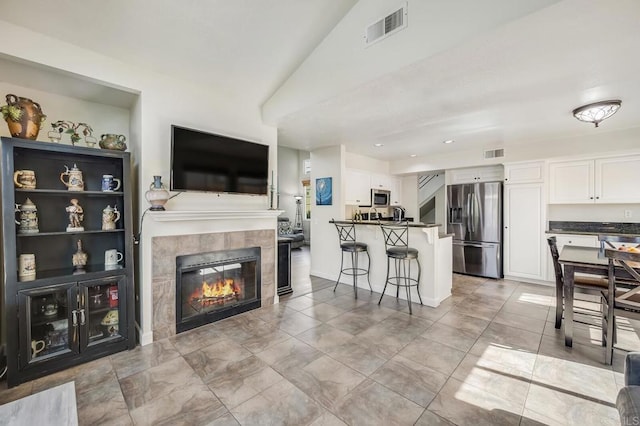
380,198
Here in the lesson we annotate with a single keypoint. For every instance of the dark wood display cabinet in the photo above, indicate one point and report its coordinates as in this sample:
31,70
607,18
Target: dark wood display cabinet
64,314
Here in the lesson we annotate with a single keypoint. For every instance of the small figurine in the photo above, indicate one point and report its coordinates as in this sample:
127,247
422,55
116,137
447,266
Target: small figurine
79,258
76,216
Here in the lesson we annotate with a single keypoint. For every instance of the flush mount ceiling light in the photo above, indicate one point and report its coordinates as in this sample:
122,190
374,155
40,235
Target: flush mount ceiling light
378,145
597,112
448,141
413,155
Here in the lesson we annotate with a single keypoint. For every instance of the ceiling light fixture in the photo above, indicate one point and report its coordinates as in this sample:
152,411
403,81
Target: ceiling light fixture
378,145
413,155
597,112
448,141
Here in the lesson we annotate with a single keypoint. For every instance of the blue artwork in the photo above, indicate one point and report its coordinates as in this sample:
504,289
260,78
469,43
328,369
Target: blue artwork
323,191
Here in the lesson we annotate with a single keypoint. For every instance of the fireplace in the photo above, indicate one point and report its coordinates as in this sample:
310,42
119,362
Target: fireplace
216,285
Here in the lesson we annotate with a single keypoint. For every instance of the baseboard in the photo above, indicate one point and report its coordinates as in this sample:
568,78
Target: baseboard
530,281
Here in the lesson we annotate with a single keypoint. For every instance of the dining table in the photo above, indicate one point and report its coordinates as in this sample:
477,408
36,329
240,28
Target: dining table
585,260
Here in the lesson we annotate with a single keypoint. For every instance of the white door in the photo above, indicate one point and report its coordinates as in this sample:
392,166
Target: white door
617,180
571,182
524,231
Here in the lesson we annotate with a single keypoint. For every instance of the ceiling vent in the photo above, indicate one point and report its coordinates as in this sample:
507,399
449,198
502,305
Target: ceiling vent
493,153
386,26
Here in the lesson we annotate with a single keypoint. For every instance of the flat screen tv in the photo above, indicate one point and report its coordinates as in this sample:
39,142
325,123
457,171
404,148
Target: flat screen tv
214,163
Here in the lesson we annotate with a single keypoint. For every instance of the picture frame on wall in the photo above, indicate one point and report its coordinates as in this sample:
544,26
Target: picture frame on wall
324,191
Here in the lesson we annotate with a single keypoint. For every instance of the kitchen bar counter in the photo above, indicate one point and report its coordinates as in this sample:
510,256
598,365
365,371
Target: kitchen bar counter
384,222
435,259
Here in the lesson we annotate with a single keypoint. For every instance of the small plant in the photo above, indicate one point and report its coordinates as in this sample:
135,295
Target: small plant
11,112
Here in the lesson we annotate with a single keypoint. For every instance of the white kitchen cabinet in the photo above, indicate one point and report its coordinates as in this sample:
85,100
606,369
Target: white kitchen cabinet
617,180
475,174
396,191
568,240
380,181
524,241
530,172
357,187
605,180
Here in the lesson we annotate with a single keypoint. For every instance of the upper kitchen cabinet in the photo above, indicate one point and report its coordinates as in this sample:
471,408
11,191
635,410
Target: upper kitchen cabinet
475,174
606,180
530,172
357,187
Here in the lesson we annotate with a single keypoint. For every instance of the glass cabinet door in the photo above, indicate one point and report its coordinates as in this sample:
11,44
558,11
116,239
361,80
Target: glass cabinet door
48,316
101,309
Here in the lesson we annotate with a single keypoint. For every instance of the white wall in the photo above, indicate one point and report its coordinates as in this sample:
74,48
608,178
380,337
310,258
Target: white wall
361,162
593,212
325,249
289,181
163,101
102,118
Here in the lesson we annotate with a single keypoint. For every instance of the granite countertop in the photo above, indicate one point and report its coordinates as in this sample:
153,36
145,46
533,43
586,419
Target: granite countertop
593,228
377,223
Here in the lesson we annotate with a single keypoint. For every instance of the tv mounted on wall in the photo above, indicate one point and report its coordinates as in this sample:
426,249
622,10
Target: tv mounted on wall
214,163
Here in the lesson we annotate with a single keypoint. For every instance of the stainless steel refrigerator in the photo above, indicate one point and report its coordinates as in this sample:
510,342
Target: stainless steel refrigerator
474,217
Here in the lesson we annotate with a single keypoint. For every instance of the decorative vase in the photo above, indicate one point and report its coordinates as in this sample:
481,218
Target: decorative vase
157,195
23,116
79,258
111,141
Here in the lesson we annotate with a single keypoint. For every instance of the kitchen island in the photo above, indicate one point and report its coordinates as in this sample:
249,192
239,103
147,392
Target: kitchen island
434,255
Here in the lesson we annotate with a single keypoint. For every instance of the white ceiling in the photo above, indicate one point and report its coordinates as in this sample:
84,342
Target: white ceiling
508,85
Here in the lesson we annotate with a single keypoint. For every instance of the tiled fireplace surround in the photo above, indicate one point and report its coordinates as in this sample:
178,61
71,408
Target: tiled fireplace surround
166,248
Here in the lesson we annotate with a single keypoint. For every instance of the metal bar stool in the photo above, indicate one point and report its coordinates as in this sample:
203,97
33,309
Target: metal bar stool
348,244
396,242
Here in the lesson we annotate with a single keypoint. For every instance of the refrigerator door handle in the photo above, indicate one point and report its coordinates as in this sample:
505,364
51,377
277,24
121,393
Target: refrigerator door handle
468,208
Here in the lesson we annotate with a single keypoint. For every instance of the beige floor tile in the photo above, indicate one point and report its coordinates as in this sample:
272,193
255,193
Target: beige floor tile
465,404
371,403
196,405
281,404
242,380
556,407
325,380
434,355
456,338
410,379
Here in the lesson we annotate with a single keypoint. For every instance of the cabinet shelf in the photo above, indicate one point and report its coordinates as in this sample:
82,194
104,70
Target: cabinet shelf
65,192
58,233
89,272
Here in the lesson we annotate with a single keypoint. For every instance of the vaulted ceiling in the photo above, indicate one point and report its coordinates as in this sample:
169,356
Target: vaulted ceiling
502,73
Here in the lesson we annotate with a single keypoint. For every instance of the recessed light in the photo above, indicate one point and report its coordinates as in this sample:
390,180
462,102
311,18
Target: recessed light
378,145
413,155
448,141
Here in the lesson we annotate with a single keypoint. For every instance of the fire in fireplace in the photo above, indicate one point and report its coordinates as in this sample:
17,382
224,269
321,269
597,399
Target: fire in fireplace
216,285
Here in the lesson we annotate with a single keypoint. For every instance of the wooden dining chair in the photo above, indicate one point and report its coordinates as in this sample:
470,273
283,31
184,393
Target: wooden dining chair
583,284
622,296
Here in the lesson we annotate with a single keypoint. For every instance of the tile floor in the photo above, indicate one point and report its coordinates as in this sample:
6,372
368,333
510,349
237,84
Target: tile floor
489,355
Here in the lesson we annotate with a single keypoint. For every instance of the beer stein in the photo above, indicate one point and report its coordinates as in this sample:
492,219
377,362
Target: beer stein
28,223
25,179
110,215
74,180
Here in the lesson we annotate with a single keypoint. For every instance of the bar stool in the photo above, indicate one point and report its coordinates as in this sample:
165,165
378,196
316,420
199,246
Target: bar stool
396,243
348,244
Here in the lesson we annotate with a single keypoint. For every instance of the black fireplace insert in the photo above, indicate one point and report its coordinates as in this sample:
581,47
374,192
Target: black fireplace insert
216,285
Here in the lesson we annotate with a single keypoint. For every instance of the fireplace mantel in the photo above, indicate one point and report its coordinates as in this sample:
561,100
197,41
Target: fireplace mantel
189,215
